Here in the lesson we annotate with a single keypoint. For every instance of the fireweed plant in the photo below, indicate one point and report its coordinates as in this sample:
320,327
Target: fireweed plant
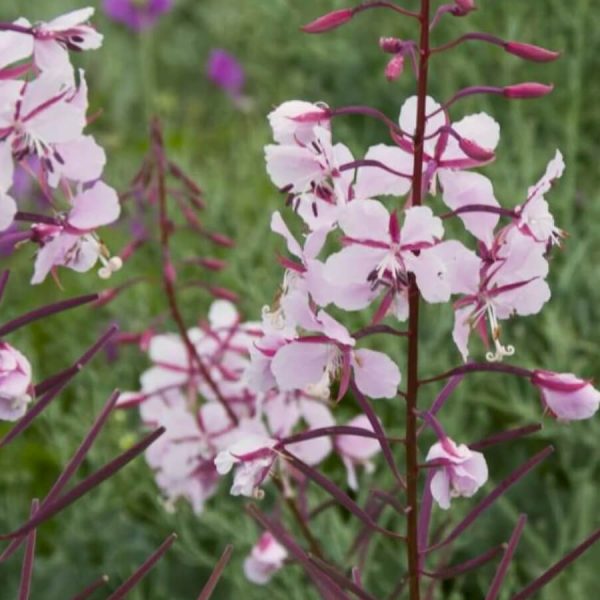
268,389
42,117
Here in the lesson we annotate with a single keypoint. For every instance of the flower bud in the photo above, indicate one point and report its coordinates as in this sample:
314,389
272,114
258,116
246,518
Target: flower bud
15,383
526,91
329,21
475,151
266,558
531,52
463,7
394,67
566,396
391,45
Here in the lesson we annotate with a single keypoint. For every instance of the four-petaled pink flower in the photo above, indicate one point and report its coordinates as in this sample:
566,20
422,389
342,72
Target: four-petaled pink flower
459,471
567,397
265,559
72,243
252,456
15,383
379,256
508,279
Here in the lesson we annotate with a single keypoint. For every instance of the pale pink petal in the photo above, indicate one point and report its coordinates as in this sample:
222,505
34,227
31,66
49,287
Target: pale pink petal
408,120
299,364
8,210
462,330
83,160
49,56
353,264
420,225
462,188
440,488
375,181
279,226
7,167
479,128
70,19
288,131
376,374
94,207
15,46
292,166
365,220
358,448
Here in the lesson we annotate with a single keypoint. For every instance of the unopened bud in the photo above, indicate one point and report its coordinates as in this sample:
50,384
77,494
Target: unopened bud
528,90
531,52
395,67
465,6
212,264
391,45
475,151
221,240
329,21
223,294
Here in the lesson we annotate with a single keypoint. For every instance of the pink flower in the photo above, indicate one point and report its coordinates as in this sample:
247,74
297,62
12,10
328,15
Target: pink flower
285,411
534,216
310,173
379,256
183,458
73,243
357,451
294,122
509,279
54,39
253,456
459,471
566,396
266,558
38,118
15,383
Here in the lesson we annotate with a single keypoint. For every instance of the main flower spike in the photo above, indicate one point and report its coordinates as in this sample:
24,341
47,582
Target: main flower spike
371,240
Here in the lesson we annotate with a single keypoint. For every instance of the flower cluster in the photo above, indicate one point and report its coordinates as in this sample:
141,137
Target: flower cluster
42,122
216,421
381,251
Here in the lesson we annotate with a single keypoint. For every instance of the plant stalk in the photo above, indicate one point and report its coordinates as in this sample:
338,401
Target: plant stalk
412,465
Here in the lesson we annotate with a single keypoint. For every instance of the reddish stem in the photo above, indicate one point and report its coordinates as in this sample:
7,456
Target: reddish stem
412,466
168,283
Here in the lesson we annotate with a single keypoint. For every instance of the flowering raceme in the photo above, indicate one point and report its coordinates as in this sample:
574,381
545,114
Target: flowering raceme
42,122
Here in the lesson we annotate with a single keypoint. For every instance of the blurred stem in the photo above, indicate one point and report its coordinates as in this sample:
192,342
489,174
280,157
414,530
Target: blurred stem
147,73
412,467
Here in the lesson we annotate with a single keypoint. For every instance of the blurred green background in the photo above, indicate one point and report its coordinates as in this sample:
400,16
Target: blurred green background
163,72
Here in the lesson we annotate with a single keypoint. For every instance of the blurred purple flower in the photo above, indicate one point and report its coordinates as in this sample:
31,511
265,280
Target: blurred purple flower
137,14
226,72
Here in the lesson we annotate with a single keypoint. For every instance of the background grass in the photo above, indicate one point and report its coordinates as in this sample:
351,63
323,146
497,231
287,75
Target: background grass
162,72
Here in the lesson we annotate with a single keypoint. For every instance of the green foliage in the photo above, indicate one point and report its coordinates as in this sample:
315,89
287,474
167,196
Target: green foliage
115,527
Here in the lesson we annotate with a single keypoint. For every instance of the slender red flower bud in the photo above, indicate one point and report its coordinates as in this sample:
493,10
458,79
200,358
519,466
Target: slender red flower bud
524,91
395,67
329,21
391,45
212,264
475,151
531,52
